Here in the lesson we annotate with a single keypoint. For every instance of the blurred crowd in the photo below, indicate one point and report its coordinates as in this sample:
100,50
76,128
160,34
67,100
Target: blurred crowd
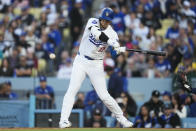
42,37
163,110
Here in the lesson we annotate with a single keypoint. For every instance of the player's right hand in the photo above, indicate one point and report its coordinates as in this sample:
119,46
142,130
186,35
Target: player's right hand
120,49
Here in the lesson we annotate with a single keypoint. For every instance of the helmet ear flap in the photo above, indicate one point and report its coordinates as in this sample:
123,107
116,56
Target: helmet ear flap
107,14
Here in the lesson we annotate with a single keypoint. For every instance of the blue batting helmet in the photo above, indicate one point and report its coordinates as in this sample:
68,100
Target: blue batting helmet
107,14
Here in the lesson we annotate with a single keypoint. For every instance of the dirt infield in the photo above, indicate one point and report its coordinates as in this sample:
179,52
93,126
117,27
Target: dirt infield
96,129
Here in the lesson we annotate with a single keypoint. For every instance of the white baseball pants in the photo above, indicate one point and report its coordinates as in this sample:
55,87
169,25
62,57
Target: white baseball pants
94,69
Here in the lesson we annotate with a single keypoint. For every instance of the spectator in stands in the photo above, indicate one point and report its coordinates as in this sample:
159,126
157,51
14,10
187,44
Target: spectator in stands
50,13
154,104
43,20
173,31
149,20
65,69
64,9
32,61
118,20
2,44
63,23
174,54
159,9
179,107
158,43
4,5
47,45
54,34
6,70
9,37
31,38
132,70
131,21
144,120
91,101
129,104
79,103
116,84
121,63
171,9
141,32
97,120
44,93
187,64
133,45
166,97
151,71
22,44
183,21
139,11
163,66
26,17
169,119
22,69
40,53
108,62
151,36
76,20
3,95
14,58
187,10
193,107
8,91
64,57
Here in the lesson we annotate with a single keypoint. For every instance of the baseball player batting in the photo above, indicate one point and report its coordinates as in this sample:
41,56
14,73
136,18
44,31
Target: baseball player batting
98,35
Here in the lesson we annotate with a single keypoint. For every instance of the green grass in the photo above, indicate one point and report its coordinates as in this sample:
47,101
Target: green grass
94,129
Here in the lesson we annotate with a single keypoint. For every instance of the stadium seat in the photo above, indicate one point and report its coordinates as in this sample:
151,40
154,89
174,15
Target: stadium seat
66,32
41,65
35,12
34,72
17,11
167,23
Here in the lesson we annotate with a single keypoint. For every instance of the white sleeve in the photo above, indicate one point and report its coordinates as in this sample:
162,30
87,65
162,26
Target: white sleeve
182,113
96,32
92,22
93,26
113,38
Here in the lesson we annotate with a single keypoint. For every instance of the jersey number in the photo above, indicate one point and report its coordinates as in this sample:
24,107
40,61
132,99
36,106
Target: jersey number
101,49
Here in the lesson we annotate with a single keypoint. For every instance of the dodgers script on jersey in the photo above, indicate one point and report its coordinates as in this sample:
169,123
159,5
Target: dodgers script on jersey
90,46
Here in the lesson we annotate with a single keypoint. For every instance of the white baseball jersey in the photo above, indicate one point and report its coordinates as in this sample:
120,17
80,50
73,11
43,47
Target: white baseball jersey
90,46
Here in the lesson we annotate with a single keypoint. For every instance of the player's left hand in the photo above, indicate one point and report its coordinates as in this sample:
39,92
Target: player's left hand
120,49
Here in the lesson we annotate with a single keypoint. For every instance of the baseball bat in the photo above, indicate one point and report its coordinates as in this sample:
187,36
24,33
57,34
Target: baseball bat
150,52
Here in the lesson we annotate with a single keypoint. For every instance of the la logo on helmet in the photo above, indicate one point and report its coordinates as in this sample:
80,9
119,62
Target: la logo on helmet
107,14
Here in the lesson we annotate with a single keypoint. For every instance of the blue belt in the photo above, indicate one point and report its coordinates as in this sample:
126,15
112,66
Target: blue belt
89,58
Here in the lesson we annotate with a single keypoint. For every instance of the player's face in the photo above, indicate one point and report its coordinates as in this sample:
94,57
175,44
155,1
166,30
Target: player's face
104,24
